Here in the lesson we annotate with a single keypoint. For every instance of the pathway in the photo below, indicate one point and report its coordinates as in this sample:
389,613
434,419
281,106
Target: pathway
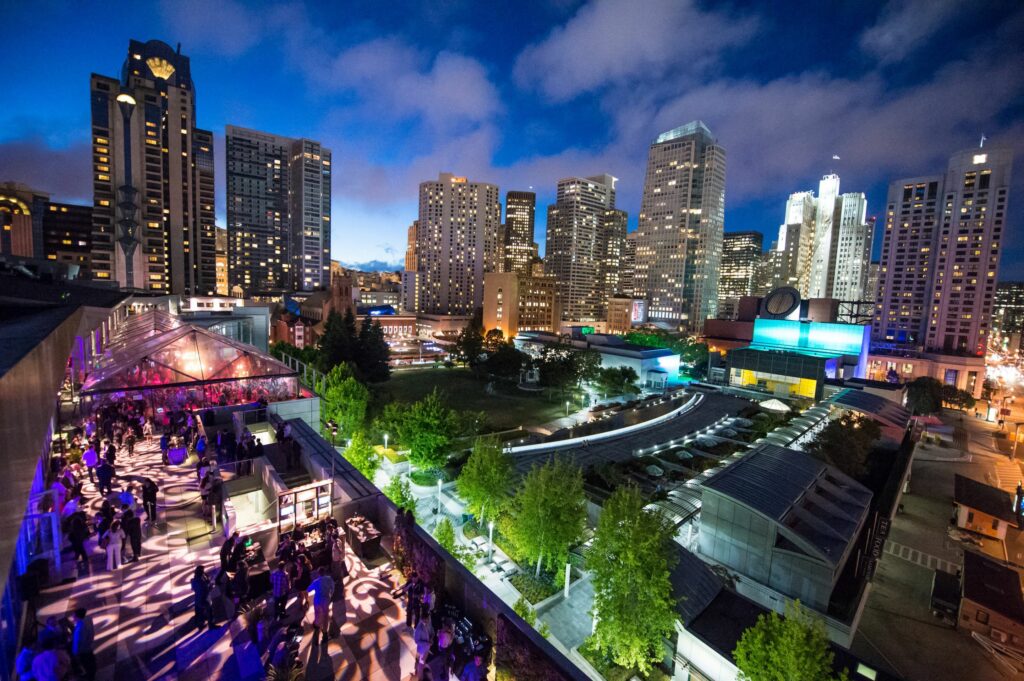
143,614
925,560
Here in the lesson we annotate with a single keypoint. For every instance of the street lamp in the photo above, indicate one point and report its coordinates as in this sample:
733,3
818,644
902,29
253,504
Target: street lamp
385,440
567,407
490,541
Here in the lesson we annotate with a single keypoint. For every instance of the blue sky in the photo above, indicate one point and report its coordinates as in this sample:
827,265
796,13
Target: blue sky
521,94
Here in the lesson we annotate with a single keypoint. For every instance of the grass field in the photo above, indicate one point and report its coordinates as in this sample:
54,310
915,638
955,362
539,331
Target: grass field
507,408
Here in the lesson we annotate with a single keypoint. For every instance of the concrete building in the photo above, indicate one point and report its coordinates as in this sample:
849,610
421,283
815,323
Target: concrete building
33,226
517,246
784,522
940,255
278,211
625,312
796,243
153,176
456,244
515,302
679,239
741,253
627,265
67,233
223,285
1008,315
579,222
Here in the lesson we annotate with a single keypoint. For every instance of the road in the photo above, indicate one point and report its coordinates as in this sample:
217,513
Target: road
715,406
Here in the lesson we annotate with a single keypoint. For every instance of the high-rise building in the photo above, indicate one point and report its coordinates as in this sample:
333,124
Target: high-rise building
579,220
517,246
871,290
278,211
679,241
411,261
515,302
153,176
1008,313
796,242
611,244
741,254
67,233
21,220
627,268
456,244
940,255
223,287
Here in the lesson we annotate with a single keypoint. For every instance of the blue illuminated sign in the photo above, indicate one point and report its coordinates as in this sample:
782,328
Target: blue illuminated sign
842,339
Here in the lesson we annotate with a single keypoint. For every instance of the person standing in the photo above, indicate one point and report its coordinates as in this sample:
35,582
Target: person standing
113,539
91,459
201,589
226,549
165,445
129,442
82,644
149,490
133,528
322,589
104,478
281,586
78,532
413,599
110,453
216,500
339,570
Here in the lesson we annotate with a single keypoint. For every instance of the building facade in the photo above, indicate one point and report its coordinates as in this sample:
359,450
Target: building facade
940,255
741,255
278,211
516,302
456,244
67,233
581,218
517,247
223,287
153,176
679,239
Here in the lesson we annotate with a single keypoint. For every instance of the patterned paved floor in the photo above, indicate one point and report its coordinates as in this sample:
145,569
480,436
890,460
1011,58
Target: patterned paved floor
143,611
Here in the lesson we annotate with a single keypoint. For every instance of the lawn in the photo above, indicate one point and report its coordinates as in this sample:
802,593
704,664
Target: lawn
506,409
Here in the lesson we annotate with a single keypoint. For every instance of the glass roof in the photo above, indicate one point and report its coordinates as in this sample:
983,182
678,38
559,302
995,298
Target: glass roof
182,355
137,329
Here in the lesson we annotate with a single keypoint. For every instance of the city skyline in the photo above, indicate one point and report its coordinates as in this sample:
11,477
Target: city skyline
517,117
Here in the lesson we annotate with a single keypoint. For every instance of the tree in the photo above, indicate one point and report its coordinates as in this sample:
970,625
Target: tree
548,513
337,345
690,350
956,398
398,491
371,352
846,443
485,478
505,361
427,428
361,454
344,399
631,560
924,395
469,345
444,533
557,367
988,388
307,355
617,381
586,365
494,339
790,648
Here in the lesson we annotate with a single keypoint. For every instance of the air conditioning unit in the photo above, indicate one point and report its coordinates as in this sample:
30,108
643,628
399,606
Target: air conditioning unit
1000,636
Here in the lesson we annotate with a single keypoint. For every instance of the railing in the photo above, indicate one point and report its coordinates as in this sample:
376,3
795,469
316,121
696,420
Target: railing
310,376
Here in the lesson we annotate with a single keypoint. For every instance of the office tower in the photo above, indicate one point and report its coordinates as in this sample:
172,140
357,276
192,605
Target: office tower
796,241
940,254
825,238
1008,312
679,242
853,253
223,288
456,244
741,254
21,220
153,177
871,288
515,301
278,211
627,269
577,222
517,242
411,261
611,244
67,233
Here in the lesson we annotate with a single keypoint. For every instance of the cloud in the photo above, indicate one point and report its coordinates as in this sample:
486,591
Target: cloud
904,26
61,172
374,266
224,27
618,40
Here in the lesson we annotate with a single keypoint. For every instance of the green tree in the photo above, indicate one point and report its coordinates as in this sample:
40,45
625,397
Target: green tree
494,339
308,355
924,395
557,367
956,398
371,352
505,361
444,533
631,560
548,513
485,478
398,491
344,399
338,343
846,443
586,365
427,428
617,381
790,648
469,345
361,454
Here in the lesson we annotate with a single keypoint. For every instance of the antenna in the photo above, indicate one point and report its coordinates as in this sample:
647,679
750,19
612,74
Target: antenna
981,144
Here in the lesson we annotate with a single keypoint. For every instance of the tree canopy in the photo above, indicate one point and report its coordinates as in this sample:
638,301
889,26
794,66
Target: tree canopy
344,399
563,366
307,355
690,350
631,559
469,345
846,443
548,513
426,427
617,381
364,347
956,398
398,491
361,454
505,361
485,478
924,395
790,648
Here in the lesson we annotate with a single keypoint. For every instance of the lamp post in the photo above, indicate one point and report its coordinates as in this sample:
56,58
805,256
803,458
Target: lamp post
490,541
439,496
385,440
567,407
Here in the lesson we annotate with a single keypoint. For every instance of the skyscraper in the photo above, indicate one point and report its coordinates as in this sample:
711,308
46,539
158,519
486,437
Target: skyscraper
679,242
223,287
940,254
741,255
520,211
153,176
278,211
578,221
611,245
456,243
796,242
627,266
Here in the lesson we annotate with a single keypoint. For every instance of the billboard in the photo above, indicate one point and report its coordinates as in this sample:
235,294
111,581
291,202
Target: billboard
785,334
638,315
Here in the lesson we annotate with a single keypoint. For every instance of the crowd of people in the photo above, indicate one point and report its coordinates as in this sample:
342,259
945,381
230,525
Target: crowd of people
62,647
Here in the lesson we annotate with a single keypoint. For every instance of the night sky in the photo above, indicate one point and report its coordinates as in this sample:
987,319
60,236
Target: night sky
521,94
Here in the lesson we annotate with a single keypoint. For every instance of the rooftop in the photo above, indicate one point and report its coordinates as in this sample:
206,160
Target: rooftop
875,406
691,128
814,501
694,585
992,586
985,498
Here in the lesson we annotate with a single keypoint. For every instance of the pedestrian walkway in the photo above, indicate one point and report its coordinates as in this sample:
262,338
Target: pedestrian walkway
143,611
925,560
